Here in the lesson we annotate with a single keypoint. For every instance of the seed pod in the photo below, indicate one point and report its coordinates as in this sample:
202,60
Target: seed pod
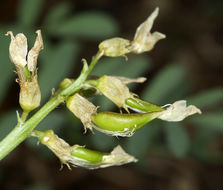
116,124
93,159
80,156
142,106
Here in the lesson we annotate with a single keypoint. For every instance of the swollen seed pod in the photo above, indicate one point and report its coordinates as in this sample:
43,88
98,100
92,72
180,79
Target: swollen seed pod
142,106
116,124
79,156
93,159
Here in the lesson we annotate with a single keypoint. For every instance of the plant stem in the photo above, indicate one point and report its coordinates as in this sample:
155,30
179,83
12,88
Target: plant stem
24,116
23,130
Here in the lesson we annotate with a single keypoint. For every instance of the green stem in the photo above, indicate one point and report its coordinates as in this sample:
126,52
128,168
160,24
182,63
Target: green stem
23,130
24,115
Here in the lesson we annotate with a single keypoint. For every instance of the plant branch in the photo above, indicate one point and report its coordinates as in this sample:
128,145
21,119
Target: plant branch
23,130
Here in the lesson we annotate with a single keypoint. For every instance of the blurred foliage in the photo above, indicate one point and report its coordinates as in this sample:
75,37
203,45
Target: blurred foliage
64,33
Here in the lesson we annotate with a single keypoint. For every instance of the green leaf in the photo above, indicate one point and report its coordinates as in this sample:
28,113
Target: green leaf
177,139
207,98
28,11
164,84
37,187
138,145
6,67
212,120
55,65
92,25
102,141
8,121
56,15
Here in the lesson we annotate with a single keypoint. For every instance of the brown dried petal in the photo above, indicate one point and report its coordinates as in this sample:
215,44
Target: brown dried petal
18,49
144,40
178,111
34,52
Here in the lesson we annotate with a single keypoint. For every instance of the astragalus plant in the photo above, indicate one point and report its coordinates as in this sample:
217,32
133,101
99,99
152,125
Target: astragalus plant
74,93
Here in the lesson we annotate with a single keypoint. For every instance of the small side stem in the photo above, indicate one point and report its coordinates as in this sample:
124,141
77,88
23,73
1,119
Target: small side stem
21,132
24,116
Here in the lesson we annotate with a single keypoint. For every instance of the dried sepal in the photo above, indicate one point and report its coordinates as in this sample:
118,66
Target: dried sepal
57,145
144,40
178,111
30,95
126,80
115,47
82,109
114,89
34,52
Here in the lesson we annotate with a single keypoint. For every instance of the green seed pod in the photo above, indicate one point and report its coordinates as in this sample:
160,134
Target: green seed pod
142,106
80,156
88,155
116,124
93,159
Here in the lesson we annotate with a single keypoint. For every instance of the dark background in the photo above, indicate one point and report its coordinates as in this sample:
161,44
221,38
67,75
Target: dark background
186,65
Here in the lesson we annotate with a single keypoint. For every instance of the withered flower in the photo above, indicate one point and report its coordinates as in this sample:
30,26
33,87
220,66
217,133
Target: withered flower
30,96
144,40
80,156
178,111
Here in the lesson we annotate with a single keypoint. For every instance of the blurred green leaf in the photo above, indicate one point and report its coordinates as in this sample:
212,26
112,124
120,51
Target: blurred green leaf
138,145
28,11
107,66
37,187
207,98
164,84
102,142
56,15
91,25
8,121
177,139
6,67
56,63
53,121
214,121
